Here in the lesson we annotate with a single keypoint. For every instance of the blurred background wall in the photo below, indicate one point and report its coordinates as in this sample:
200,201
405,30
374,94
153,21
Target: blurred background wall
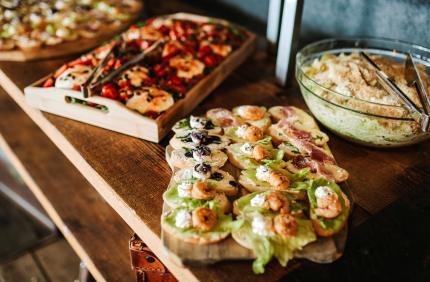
407,20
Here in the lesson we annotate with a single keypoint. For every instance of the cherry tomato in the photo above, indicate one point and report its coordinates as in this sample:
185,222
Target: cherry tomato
49,82
111,63
109,91
204,51
210,61
180,89
175,80
164,29
160,70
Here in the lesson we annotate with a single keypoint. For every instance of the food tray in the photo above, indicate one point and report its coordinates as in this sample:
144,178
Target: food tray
118,117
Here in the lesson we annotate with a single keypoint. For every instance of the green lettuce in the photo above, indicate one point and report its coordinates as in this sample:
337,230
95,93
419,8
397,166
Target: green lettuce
225,224
327,223
267,247
171,196
243,204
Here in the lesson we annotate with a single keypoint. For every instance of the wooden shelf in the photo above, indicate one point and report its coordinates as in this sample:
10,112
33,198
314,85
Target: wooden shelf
93,229
131,174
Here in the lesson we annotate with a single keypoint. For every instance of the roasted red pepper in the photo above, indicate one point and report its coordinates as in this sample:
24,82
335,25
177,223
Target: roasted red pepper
49,82
62,69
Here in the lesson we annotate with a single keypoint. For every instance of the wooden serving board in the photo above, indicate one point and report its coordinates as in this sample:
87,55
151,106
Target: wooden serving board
323,250
121,119
69,47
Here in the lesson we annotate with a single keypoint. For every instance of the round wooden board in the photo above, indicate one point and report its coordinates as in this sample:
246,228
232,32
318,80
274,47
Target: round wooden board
69,47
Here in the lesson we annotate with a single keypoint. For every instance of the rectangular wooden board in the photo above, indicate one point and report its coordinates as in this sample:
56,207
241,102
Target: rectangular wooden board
121,119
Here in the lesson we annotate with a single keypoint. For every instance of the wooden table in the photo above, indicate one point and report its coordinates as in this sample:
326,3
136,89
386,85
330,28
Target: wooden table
76,208
131,175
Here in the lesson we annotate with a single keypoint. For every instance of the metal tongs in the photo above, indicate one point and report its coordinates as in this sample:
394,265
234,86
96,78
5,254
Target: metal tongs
94,80
412,76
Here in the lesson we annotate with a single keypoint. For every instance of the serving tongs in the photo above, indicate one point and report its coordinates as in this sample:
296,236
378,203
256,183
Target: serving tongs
95,73
421,116
136,59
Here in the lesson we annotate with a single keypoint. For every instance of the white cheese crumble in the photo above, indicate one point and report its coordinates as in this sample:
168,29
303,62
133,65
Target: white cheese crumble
247,148
262,173
323,192
187,173
183,219
241,130
201,157
262,225
198,122
242,110
258,200
75,76
184,189
201,174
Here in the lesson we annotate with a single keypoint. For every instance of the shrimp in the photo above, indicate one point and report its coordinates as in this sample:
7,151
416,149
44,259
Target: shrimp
253,133
328,204
202,191
251,112
222,117
285,225
278,180
204,219
260,153
278,202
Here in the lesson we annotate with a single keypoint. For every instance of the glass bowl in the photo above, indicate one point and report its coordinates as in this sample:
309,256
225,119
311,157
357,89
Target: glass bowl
361,121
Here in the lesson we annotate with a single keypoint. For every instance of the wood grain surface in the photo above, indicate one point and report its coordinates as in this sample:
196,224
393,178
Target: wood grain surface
131,174
76,208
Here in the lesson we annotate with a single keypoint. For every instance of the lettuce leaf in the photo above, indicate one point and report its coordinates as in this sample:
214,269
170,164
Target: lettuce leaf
171,196
225,224
243,204
267,247
326,223
265,141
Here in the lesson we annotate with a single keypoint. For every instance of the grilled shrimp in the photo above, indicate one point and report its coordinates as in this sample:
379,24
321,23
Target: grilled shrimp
222,117
251,112
328,202
253,133
260,153
278,180
285,225
277,202
204,219
202,191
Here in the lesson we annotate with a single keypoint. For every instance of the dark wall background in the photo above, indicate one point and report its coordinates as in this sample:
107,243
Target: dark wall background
407,20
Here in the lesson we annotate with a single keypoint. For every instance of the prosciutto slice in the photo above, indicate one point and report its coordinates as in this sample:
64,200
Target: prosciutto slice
326,170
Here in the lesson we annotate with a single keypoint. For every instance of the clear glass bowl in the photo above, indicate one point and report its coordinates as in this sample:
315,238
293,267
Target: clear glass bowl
360,121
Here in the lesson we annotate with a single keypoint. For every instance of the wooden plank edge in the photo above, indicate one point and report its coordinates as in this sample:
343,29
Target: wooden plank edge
103,188
32,185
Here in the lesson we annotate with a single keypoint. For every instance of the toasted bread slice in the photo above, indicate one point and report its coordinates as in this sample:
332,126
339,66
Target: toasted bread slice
182,158
213,142
220,180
